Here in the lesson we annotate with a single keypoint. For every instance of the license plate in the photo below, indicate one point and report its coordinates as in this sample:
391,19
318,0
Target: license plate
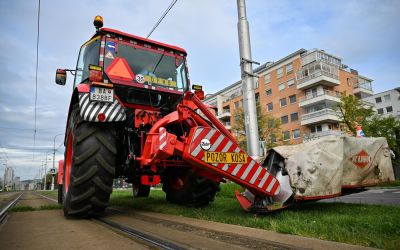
221,157
101,94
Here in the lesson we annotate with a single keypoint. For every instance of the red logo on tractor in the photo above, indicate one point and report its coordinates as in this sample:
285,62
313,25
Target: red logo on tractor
361,159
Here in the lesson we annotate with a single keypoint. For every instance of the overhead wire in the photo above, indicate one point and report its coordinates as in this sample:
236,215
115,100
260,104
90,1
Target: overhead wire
162,17
36,77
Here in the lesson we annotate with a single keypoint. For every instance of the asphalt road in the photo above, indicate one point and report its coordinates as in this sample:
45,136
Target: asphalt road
373,196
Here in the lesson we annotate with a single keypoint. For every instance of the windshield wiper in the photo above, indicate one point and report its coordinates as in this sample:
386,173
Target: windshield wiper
159,60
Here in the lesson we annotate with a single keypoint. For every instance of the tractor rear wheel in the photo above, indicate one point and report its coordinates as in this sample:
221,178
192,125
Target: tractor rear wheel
89,167
60,194
140,190
185,187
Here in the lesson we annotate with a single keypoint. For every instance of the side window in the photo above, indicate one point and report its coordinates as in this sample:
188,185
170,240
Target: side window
89,54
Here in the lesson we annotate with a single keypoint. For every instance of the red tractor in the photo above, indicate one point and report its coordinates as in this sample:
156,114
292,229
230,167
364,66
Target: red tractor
132,115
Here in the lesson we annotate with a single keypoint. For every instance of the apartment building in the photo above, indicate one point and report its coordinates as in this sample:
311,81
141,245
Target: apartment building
301,90
387,103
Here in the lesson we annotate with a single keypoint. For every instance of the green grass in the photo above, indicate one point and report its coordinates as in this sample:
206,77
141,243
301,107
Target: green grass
52,194
29,208
367,225
395,183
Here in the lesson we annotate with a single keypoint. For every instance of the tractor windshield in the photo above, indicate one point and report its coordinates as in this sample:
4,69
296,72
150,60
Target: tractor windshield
89,54
145,65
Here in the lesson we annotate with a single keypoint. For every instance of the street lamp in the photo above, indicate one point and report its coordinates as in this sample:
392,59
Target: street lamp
54,156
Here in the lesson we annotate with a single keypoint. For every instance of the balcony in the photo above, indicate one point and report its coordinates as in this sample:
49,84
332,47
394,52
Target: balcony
317,135
329,97
323,115
318,73
226,113
363,88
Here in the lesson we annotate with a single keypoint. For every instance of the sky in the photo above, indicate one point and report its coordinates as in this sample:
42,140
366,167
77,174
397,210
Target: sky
364,33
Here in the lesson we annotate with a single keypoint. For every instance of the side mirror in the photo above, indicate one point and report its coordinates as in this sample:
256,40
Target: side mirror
61,76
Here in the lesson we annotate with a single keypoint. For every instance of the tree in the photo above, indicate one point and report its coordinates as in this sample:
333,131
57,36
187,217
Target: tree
353,112
268,127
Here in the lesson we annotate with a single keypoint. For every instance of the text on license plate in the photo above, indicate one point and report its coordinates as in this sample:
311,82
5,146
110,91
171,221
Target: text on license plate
221,157
101,94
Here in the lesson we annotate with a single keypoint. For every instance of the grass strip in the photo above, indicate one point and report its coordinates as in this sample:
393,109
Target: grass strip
29,208
367,225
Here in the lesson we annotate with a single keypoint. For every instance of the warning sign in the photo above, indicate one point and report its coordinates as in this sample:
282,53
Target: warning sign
109,55
120,69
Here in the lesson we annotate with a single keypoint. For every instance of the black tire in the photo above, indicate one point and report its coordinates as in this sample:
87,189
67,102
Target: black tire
92,167
140,190
60,194
194,190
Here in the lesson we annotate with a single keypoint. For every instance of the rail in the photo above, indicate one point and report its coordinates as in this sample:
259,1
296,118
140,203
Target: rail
315,75
325,111
324,93
4,212
151,240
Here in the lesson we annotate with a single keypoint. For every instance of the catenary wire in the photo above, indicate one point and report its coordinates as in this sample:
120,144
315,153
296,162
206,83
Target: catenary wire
162,17
36,77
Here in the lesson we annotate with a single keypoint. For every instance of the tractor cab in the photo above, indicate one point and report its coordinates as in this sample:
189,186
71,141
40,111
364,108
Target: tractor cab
137,70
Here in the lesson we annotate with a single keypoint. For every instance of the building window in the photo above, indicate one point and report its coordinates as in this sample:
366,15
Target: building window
289,68
378,100
292,99
286,135
281,86
290,83
236,105
296,133
279,72
282,102
284,119
387,98
380,111
268,92
294,117
389,109
270,106
315,129
257,96
256,85
267,78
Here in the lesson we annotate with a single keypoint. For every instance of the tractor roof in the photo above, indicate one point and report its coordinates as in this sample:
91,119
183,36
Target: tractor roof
167,46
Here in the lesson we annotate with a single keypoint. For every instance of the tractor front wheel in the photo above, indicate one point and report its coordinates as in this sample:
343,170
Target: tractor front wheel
185,187
89,167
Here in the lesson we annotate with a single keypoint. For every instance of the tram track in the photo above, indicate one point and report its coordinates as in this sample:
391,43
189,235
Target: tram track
132,233
127,228
4,211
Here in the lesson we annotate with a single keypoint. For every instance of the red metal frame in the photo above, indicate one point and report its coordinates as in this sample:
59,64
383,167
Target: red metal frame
160,145
68,160
145,40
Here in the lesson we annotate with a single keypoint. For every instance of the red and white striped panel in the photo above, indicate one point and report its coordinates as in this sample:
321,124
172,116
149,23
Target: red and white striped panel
251,172
163,137
102,46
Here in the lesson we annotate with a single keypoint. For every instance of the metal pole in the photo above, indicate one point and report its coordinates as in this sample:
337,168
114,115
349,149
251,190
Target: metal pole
249,101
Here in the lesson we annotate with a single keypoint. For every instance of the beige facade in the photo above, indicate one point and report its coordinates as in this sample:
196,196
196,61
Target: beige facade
301,89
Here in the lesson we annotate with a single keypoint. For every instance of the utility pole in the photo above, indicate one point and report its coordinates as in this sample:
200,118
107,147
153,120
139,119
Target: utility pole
249,101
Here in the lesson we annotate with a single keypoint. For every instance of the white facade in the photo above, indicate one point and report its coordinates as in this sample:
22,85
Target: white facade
8,178
387,103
